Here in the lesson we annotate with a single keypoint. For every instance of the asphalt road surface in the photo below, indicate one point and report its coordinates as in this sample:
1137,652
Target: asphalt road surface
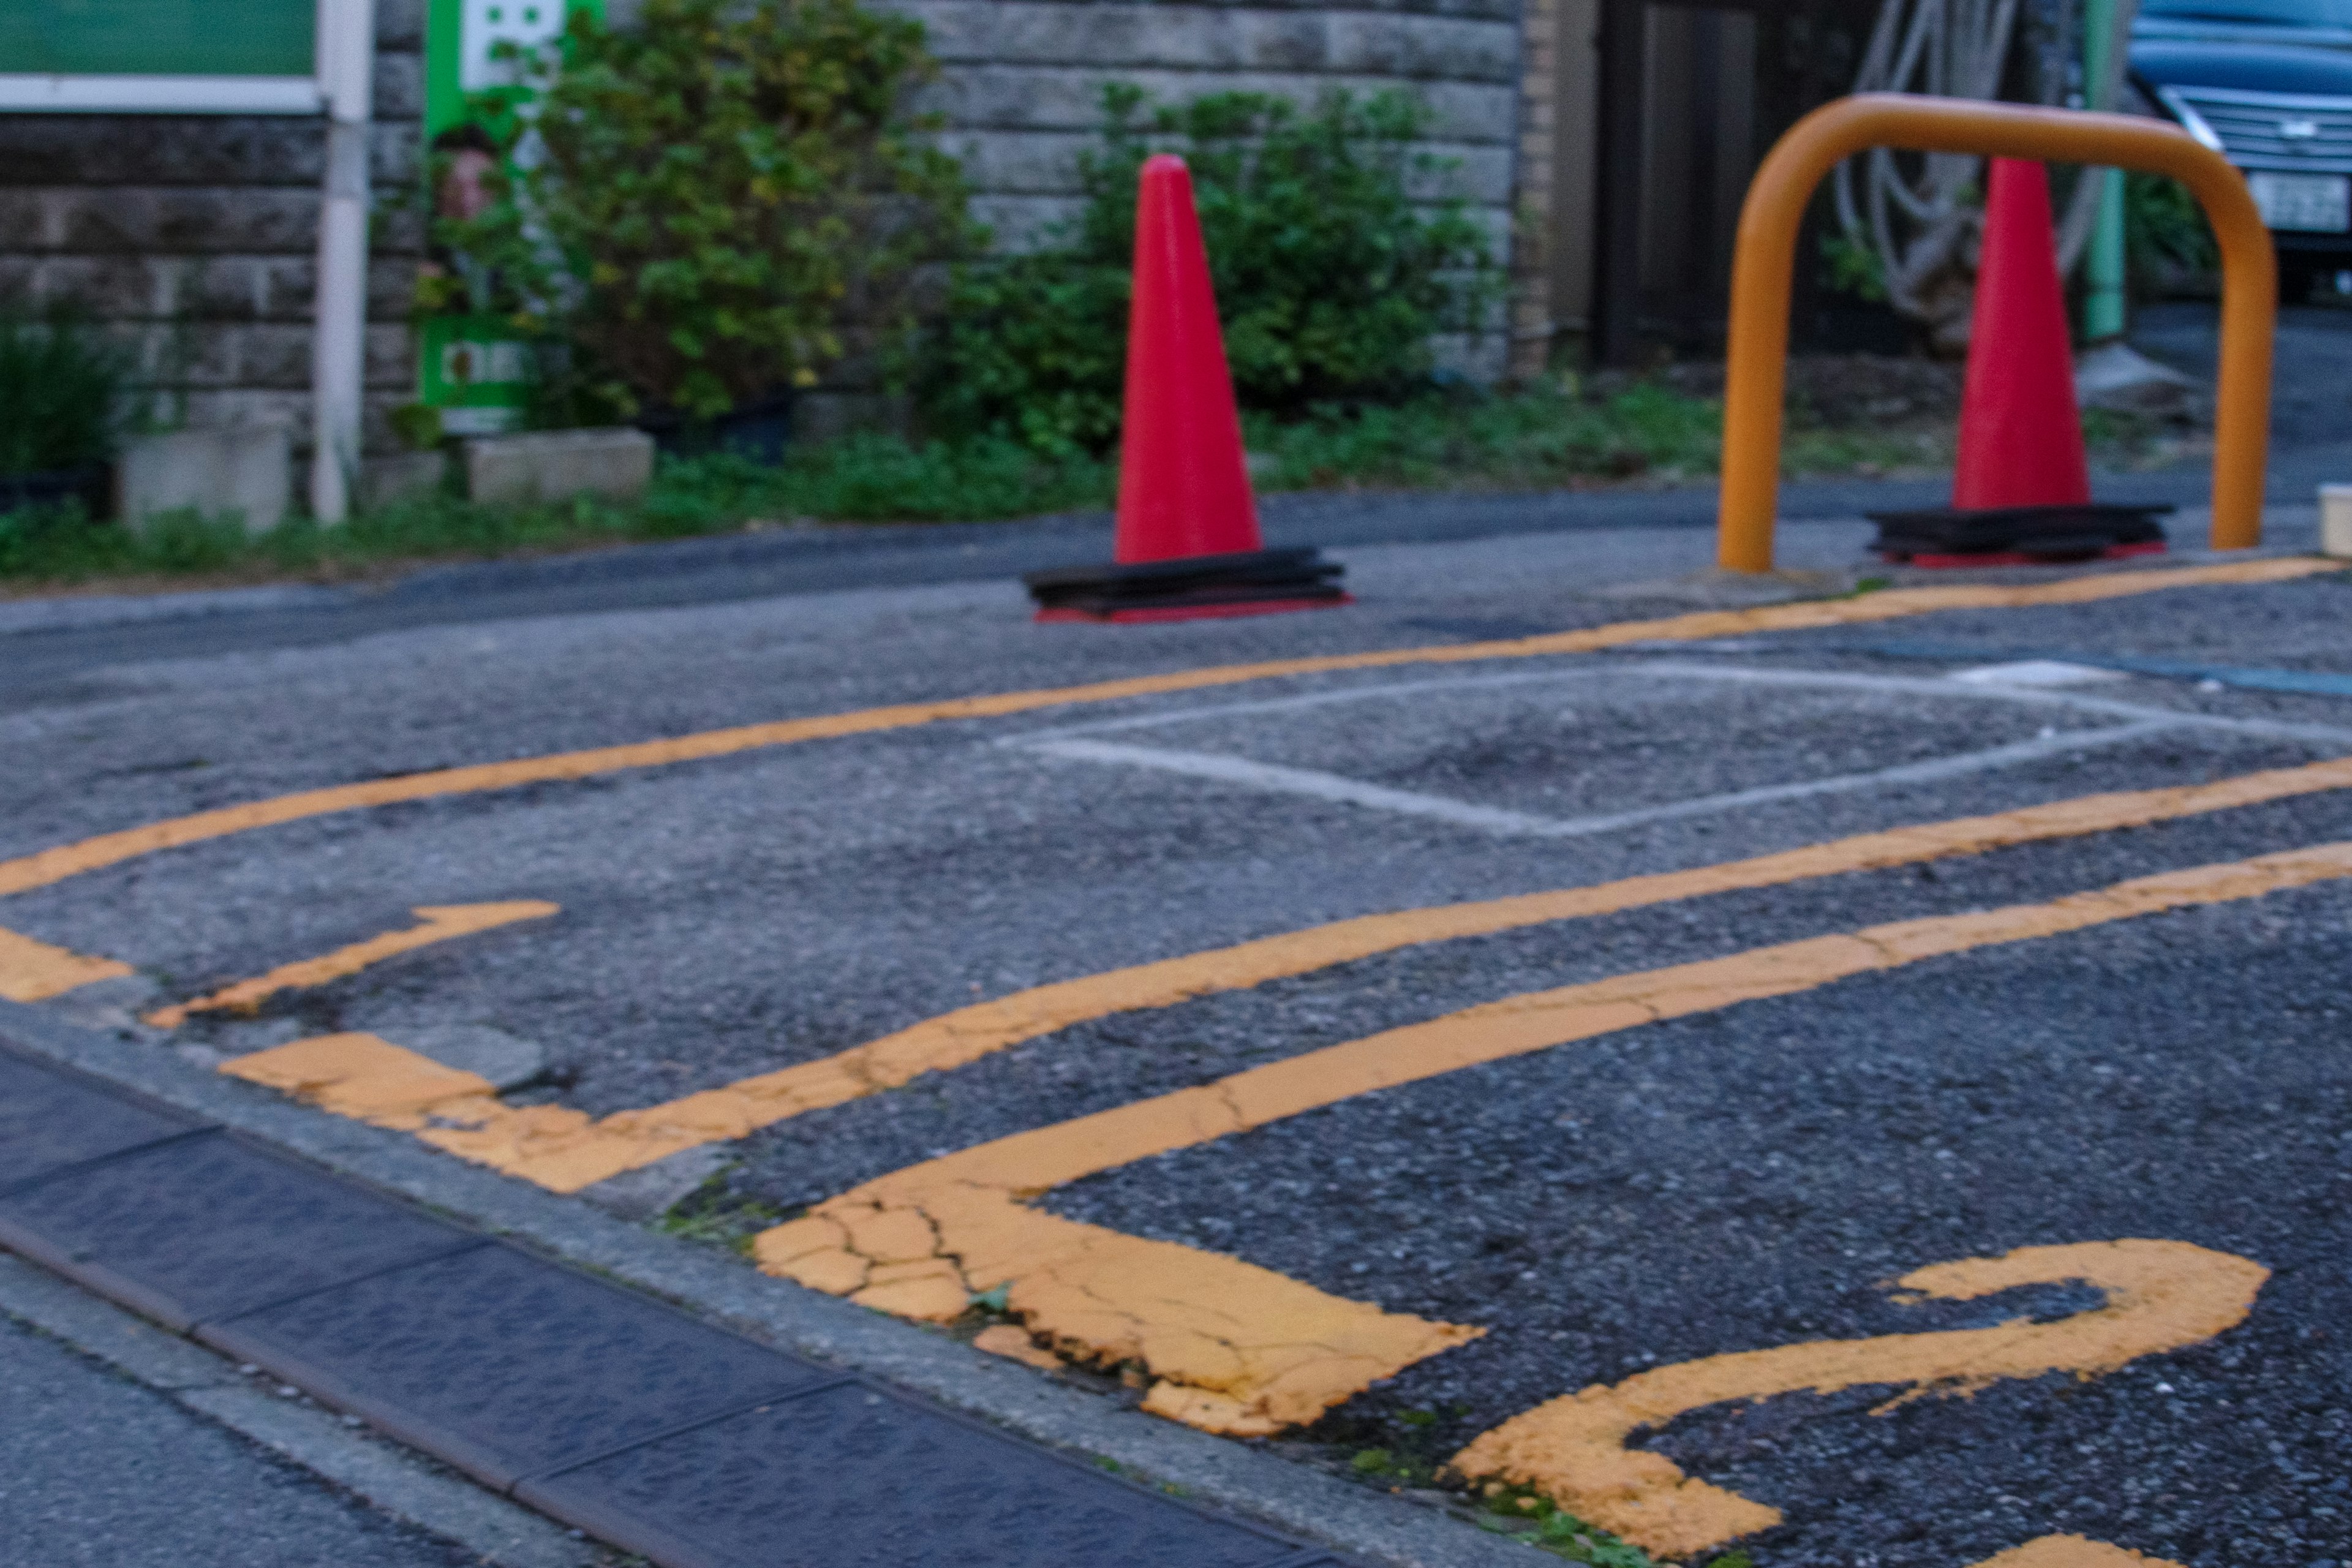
1897,1201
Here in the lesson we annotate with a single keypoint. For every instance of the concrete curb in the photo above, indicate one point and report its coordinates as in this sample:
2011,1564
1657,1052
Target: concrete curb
82,612
1223,1473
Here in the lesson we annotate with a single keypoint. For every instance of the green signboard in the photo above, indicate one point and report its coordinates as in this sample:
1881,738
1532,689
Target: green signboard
470,368
158,38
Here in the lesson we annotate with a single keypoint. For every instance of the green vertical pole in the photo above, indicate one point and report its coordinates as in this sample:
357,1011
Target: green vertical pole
2103,263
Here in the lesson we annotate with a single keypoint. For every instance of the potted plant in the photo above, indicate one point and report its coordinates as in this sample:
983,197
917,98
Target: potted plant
724,200
59,388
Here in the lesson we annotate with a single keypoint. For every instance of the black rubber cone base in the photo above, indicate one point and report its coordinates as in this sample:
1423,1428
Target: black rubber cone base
1256,581
2017,535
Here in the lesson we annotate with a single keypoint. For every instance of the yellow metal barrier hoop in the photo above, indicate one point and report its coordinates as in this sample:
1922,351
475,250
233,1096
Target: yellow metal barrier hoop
1765,260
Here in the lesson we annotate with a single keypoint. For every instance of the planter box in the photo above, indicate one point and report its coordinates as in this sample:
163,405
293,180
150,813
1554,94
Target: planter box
556,464
242,470
383,481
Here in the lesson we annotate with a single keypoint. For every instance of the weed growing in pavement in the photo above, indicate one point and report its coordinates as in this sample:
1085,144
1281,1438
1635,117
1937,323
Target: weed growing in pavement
1411,1454
714,1215
1531,1517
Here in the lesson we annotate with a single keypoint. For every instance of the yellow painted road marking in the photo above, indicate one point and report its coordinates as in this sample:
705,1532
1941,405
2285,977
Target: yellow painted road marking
2160,1295
361,1076
1007,1340
34,971
565,1150
1241,1348
2073,1552
50,865
441,922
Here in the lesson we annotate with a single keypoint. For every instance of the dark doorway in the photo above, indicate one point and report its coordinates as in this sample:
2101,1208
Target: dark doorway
1692,97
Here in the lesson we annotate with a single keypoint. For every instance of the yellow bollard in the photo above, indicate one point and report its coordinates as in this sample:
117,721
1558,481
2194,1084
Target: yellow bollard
1765,258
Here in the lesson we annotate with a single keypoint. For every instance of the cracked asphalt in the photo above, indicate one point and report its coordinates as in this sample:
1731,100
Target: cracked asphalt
1743,1178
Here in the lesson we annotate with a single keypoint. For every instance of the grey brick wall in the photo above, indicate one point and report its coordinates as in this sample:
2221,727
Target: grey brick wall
1020,81
194,238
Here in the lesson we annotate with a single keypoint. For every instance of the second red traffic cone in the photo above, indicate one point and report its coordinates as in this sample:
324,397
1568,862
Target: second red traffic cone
2021,487
1187,545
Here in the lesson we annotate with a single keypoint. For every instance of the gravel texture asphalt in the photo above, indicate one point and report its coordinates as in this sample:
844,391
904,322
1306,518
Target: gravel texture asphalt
1731,1181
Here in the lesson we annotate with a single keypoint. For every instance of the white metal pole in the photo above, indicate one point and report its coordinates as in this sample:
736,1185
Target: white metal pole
338,339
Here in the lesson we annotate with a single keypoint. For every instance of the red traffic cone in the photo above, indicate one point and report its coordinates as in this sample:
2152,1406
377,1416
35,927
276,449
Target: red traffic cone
2022,489
1188,545
2020,434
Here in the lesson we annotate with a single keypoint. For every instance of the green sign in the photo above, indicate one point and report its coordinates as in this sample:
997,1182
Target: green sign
158,38
471,368
464,68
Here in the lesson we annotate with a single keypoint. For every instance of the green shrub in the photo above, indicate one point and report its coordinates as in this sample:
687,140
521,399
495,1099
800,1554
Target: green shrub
2165,233
58,386
1330,281
722,199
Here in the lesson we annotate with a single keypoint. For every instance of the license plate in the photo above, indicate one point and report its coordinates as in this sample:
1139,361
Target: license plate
2310,204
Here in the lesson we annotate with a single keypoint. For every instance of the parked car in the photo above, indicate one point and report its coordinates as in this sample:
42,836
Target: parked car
2268,85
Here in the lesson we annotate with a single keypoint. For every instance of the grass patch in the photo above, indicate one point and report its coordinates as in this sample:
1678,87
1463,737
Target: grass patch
1554,434
713,1215
1530,1518
862,478
1557,432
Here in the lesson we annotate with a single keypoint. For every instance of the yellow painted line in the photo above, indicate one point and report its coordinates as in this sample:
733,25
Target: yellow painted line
1239,1349
2160,1295
1009,1340
440,923
34,971
361,1076
50,865
566,1150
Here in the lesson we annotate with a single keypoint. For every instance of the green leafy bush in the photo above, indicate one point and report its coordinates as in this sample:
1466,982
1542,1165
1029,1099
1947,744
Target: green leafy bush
1330,279
58,386
722,200
2166,237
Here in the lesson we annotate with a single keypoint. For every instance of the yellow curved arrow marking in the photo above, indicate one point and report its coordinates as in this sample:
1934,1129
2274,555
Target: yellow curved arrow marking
2160,1295
441,922
50,865
1241,1350
2073,1552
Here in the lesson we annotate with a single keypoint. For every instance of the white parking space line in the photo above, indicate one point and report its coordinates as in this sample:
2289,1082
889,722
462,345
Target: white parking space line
1301,780
2031,686
2337,737
1353,792
1929,771
1944,686
2034,672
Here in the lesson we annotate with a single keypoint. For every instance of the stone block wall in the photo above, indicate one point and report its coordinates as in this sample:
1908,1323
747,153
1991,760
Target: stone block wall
1020,81
194,238
1020,91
